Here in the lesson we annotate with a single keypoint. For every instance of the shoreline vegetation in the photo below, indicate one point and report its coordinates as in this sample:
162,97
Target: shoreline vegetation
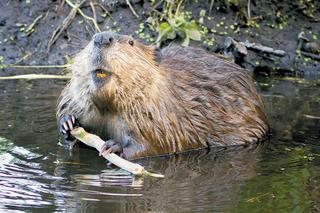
260,36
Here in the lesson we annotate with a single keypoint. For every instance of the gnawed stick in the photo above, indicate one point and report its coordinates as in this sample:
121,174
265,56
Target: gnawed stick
96,142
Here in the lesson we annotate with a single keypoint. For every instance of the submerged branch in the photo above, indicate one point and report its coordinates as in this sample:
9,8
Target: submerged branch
96,142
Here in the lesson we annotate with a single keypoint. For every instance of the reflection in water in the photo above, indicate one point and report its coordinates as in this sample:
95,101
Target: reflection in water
36,172
108,178
21,186
192,181
202,180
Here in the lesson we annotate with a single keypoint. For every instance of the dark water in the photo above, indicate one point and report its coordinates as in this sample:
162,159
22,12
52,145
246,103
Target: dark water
37,173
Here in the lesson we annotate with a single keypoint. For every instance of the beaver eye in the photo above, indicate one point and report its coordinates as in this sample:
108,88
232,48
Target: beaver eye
131,42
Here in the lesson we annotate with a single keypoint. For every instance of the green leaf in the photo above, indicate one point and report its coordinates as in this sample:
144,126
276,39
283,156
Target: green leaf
192,31
165,32
164,29
164,26
193,34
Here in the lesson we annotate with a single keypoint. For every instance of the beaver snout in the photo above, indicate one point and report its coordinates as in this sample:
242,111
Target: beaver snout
100,42
103,39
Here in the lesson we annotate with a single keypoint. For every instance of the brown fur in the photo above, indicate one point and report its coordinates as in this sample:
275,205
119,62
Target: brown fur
191,99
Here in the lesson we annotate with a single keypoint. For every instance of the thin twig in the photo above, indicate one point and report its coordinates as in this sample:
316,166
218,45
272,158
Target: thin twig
68,20
36,66
249,10
65,24
93,11
178,7
105,10
34,76
132,9
211,6
77,7
156,11
22,58
153,8
264,49
59,8
312,117
90,31
30,30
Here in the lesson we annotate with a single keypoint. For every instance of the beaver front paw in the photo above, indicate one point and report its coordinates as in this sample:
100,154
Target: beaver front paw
110,146
68,123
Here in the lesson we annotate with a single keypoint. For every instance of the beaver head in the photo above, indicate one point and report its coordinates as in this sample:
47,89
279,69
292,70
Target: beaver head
115,67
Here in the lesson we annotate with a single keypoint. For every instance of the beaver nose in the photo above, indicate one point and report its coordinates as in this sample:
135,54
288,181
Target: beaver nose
102,39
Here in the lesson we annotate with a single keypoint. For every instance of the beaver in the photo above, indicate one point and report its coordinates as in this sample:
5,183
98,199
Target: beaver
144,101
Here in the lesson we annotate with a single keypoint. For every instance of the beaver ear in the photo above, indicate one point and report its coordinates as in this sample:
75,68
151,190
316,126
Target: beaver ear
157,55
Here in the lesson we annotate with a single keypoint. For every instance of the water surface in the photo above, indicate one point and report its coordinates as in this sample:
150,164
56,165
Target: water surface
37,173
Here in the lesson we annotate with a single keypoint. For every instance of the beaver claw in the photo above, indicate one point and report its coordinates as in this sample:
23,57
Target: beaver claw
68,123
110,146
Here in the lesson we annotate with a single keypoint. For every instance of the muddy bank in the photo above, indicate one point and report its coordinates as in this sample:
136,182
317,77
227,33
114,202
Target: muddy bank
276,25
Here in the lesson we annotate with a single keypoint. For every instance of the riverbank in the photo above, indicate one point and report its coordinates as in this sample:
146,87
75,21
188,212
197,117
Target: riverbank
24,38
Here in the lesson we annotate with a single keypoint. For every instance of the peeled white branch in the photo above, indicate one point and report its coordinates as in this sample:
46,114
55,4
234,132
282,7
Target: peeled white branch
97,142
34,76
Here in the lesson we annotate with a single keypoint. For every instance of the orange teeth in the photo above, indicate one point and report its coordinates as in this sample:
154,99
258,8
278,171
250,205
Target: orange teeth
101,75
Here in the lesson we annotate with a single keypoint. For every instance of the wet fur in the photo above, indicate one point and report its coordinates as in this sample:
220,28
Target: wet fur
190,99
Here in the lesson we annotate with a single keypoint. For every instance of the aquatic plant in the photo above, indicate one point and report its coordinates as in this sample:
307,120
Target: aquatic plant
173,23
